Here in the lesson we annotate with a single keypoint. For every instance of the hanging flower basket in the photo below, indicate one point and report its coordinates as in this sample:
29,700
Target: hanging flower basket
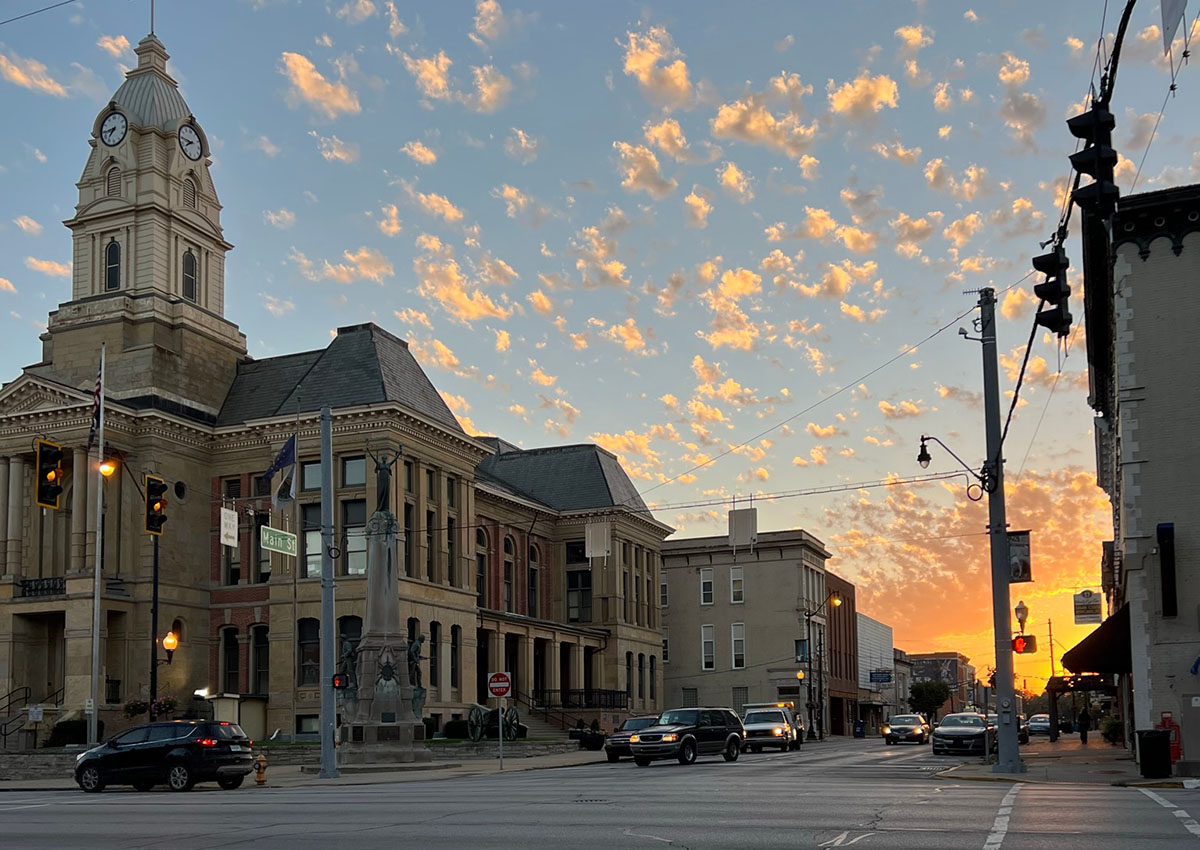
164,707
136,708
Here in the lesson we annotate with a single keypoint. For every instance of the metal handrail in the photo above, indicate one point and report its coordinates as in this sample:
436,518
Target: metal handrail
55,698
547,712
22,693
7,728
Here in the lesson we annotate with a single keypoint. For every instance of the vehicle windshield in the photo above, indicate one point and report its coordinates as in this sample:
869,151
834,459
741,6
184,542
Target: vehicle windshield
678,718
764,717
1042,717
963,720
905,720
632,723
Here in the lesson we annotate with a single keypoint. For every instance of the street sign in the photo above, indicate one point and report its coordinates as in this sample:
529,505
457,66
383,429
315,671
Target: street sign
36,713
881,677
229,528
499,684
1087,607
1018,557
274,540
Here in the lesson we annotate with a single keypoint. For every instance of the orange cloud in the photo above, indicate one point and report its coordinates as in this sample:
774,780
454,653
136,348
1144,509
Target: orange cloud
648,58
310,86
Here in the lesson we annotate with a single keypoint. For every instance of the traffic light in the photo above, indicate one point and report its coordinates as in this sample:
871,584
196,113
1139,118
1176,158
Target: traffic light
156,504
1054,290
340,681
1097,160
1024,644
49,474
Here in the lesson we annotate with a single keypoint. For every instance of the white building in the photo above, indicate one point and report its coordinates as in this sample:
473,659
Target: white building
876,661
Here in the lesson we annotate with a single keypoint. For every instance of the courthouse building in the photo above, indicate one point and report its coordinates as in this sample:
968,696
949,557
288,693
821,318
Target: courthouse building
496,574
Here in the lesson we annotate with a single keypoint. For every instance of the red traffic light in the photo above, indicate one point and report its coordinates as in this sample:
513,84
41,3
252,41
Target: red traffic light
340,681
1024,644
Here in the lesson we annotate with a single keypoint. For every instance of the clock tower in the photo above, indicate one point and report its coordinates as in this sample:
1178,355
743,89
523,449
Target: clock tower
149,256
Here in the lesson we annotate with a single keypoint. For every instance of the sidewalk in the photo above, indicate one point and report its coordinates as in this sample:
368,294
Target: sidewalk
1068,760
291,776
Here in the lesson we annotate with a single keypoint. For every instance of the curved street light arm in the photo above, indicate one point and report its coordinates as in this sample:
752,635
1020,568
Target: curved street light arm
978,476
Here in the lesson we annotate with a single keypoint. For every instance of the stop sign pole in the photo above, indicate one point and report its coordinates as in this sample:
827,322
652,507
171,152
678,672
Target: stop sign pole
499,686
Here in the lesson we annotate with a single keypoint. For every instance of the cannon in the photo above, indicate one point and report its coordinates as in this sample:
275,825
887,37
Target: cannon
483,722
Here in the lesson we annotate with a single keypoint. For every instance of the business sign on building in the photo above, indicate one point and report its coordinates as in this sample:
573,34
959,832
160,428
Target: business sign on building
1087,607
1019,566
881,677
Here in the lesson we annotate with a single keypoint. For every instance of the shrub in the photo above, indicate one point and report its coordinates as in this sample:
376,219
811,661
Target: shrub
165,705
72,732
595,725
1112,729
456,729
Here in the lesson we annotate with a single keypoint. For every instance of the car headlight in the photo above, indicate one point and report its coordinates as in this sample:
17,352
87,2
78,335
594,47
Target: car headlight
79,758
777,732
887,730
670,738
633,739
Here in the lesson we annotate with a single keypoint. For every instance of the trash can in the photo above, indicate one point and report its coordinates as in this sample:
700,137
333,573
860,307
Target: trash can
1154,753
860,729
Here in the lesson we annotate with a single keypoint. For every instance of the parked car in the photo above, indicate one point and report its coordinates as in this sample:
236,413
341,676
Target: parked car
685,733
178,753
769,727
906,727
965,732
1022,726
617,744
790,710
1039,724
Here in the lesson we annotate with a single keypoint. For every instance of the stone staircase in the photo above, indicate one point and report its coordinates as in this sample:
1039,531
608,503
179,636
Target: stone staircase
541,729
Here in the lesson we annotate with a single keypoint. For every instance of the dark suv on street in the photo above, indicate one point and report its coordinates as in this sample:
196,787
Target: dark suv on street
685,733
178,753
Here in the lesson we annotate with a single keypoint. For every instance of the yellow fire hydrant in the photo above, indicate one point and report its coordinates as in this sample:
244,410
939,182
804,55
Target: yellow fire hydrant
260,769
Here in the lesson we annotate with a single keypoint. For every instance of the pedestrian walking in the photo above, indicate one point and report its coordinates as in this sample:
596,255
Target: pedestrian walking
1085,723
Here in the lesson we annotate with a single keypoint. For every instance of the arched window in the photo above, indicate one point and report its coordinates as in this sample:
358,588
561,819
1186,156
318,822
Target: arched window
113,182
532,583
112,265
189,275
481,548
230,669
189,193
653,676
434,650
308,654
455,655
349,631
641,676
509,556
260,661
629,675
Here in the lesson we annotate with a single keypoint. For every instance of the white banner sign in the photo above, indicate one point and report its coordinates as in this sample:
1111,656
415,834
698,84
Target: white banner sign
1019,565
1087,607
229,528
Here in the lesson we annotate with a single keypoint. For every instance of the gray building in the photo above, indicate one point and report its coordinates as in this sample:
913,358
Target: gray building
734,623
896,694
875,655
954,669
1143,358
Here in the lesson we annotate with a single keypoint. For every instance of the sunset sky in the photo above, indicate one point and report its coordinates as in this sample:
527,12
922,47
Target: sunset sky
684,231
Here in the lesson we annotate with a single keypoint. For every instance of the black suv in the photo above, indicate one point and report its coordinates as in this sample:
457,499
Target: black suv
685,733
179,753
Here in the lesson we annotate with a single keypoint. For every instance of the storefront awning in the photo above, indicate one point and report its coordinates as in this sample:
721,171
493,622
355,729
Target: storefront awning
1105,650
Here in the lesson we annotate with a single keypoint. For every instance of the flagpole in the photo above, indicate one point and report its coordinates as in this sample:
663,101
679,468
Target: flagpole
94,714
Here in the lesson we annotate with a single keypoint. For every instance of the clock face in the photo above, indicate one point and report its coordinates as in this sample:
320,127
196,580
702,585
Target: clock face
113,130
189,142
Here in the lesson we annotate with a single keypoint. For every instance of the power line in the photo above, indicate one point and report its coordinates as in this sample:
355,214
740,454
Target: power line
37,11
1171,89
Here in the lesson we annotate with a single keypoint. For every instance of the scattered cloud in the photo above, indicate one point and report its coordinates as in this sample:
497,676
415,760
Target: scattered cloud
30,74
7,286
653,60
356,11
640,171
698,207
116,46
419,153
441,280
28,225
276,306
904,410
521,146
266,146
389,224
48,267
897,151
334,149
1023,112
864,96
736,182
363,264
280,218
308,85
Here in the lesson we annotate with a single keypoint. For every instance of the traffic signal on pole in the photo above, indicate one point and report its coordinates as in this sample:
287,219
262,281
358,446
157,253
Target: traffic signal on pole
1024,644
1054,290
340,681
156,504
1098,161
49,474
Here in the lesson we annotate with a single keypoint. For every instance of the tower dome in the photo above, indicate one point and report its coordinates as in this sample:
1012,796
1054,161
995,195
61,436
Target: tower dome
149,96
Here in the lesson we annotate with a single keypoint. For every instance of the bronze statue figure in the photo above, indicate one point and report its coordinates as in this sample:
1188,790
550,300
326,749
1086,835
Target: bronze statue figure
383,479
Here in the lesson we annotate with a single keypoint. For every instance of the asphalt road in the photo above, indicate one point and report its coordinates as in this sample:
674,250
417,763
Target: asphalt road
834,795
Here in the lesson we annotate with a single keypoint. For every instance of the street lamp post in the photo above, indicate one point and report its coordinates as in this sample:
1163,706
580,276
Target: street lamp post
813,733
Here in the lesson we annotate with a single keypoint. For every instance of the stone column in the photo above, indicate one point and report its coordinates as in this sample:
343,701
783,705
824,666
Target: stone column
495,652
577,667
445,689
525,674
3,513
16,505
552,671
79,484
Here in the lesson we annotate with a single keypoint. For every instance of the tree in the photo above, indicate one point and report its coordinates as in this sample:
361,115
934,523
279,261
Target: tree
928,697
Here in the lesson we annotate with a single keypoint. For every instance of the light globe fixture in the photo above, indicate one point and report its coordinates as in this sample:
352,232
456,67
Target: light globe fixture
923,457
107,467
1022,612
170,643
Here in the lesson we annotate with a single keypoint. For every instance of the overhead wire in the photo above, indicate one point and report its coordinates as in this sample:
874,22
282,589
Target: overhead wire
1171,89
37,11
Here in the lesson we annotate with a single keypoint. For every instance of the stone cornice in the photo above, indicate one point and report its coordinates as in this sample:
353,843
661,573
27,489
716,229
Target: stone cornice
1171,214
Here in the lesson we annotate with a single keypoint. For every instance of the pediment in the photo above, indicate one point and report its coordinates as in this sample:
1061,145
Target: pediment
29,394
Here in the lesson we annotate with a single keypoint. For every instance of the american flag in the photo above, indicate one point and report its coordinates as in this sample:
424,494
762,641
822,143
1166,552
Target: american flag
95,429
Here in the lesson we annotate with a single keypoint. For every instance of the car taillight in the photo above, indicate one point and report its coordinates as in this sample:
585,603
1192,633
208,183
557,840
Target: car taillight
207,742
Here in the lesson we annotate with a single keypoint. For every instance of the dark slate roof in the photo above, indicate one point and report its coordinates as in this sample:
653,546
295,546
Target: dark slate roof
364,364
565,478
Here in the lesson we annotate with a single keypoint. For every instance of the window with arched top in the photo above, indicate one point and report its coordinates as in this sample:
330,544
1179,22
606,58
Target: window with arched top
112,265
189,275
113,183
531,583
189,193
509,566
481,548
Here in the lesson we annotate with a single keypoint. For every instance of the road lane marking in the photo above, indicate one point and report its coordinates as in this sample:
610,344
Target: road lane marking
633,834
841,840
1189,823
1000,827
29,806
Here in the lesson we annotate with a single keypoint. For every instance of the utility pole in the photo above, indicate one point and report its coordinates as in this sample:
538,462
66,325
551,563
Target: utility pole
1009,760
328,625
821,686
1050,626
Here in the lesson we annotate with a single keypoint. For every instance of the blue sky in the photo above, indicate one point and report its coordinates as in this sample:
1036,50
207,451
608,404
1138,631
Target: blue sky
665,227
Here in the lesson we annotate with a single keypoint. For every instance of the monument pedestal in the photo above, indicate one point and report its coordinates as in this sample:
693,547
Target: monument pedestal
379,726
